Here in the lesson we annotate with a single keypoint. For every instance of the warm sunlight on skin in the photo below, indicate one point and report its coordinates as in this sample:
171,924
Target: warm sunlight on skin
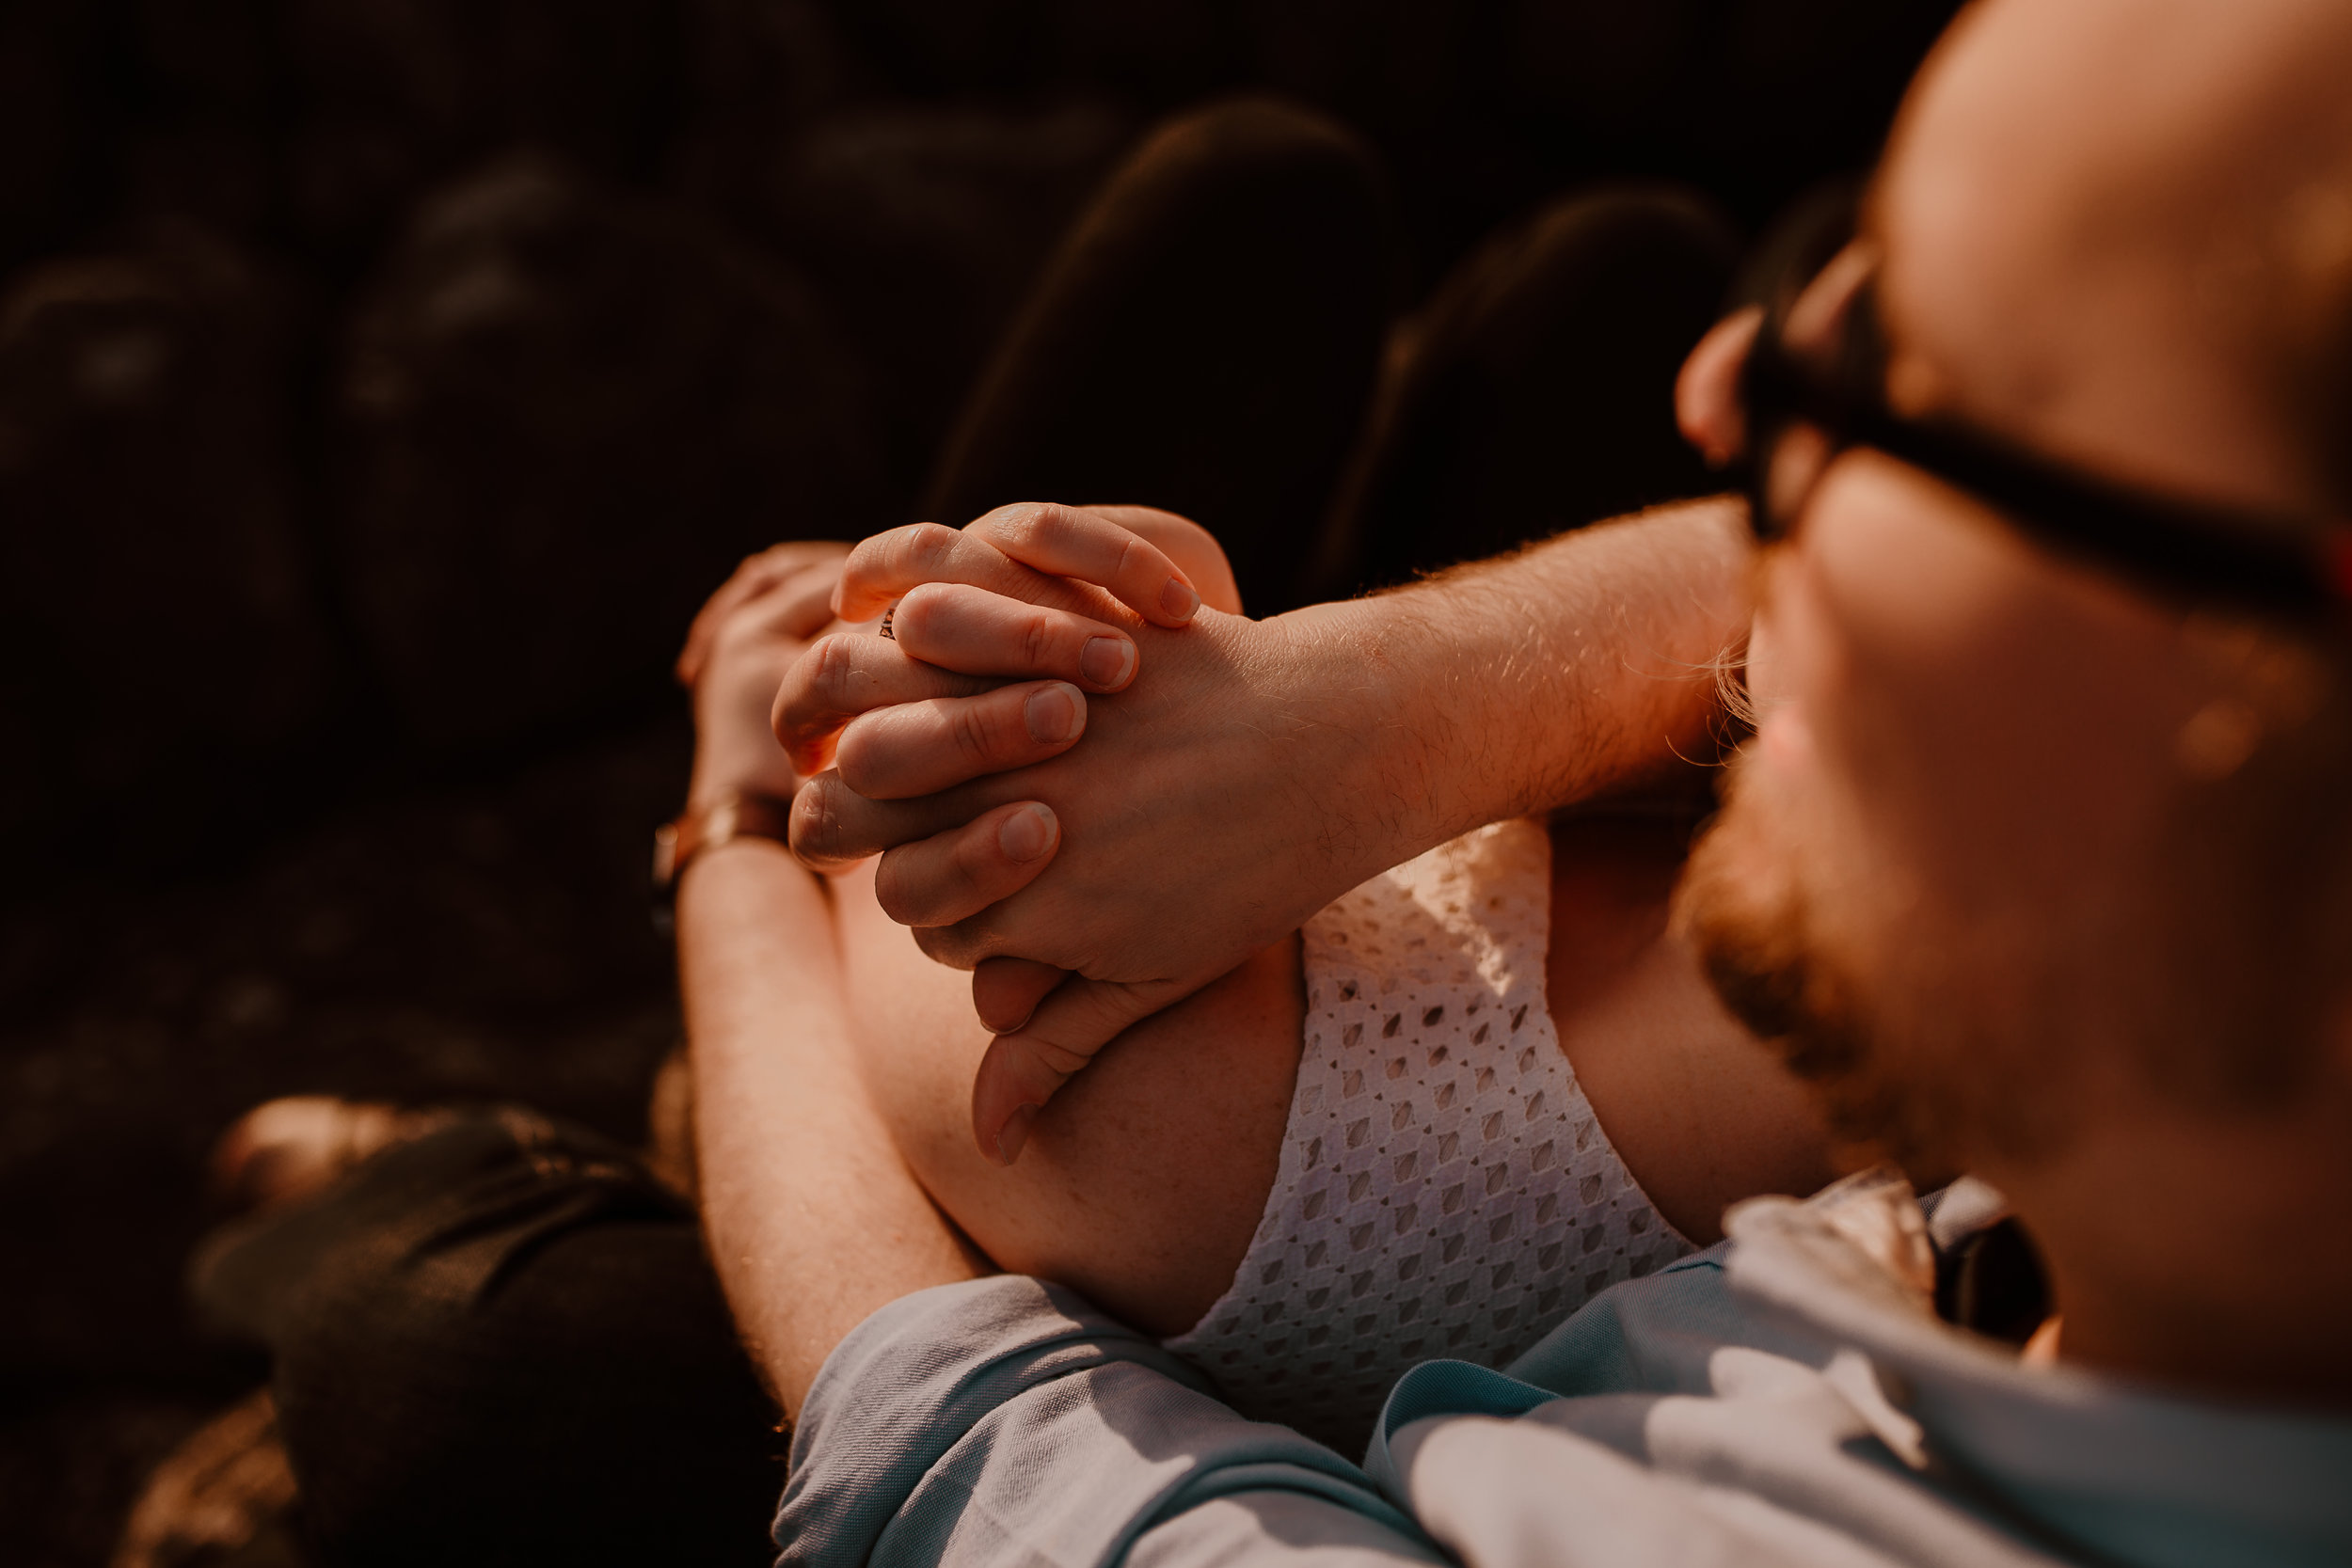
2120,321
1969,753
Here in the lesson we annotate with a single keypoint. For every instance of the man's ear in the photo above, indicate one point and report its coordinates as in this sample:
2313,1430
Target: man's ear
1707,393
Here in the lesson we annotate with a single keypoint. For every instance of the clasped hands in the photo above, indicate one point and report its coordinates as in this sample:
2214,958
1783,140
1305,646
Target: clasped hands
1007,724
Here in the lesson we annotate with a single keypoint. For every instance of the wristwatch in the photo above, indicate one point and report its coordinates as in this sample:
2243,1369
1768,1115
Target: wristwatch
724,820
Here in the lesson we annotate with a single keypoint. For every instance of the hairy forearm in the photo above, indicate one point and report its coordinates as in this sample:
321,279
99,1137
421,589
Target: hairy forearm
812,1217
1575,669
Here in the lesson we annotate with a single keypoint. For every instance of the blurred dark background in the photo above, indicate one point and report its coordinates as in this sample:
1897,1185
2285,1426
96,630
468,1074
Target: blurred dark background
383,382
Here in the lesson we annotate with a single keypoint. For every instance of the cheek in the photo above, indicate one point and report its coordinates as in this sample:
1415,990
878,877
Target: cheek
1785,657
1993,725
1798,677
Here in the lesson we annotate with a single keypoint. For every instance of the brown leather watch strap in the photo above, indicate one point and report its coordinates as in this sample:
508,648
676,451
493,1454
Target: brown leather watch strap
723,821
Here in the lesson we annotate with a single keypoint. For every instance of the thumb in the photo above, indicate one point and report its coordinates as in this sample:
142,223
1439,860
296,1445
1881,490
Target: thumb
1026,1069
1005,992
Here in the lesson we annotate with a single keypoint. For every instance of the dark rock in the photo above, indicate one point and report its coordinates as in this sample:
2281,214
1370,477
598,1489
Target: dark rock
1389,65
1808,88
50,152
934,46
1485,108
206,58
217,173
1203,339
761,73
1161,49
1415,77
757,72
390,96
198,93
924,226
1758,99
571,413
1164,52
162,639
478,941
1534,391
1610,72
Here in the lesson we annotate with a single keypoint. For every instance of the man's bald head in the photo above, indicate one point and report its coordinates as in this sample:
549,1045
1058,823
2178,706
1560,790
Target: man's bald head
2121,230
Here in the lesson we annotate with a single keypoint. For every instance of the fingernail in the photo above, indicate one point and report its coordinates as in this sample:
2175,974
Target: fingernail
1016,1134
1025,833
1054,713
1007,1027
1178,601
1107,661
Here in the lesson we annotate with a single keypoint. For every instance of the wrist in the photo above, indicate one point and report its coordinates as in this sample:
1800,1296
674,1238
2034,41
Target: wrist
721,772
710,826
1362,689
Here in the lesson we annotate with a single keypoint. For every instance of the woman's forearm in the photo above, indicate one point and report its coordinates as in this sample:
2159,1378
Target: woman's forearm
813,1220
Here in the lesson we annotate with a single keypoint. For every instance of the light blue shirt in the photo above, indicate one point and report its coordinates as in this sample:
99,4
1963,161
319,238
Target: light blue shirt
1785,1398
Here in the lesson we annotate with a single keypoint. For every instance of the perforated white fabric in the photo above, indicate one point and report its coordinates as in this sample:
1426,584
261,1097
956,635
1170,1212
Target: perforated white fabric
1444,1189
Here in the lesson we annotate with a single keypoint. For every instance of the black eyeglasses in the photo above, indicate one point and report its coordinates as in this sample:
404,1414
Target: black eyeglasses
1802,412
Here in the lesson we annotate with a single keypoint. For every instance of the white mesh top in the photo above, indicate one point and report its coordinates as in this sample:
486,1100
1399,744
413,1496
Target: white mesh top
1444,1189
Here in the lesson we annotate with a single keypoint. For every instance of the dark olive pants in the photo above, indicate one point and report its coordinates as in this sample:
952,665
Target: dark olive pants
503,1344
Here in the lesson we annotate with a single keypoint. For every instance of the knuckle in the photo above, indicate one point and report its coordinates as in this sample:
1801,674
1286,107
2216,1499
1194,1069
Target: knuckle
1054,523
734,631
891,892
834,671
976,937
971,732
930,548
1017,525
921,609
915,888
946,945
867,559
801,738
1063,1061
1038,640
974,862
816,830
860,763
